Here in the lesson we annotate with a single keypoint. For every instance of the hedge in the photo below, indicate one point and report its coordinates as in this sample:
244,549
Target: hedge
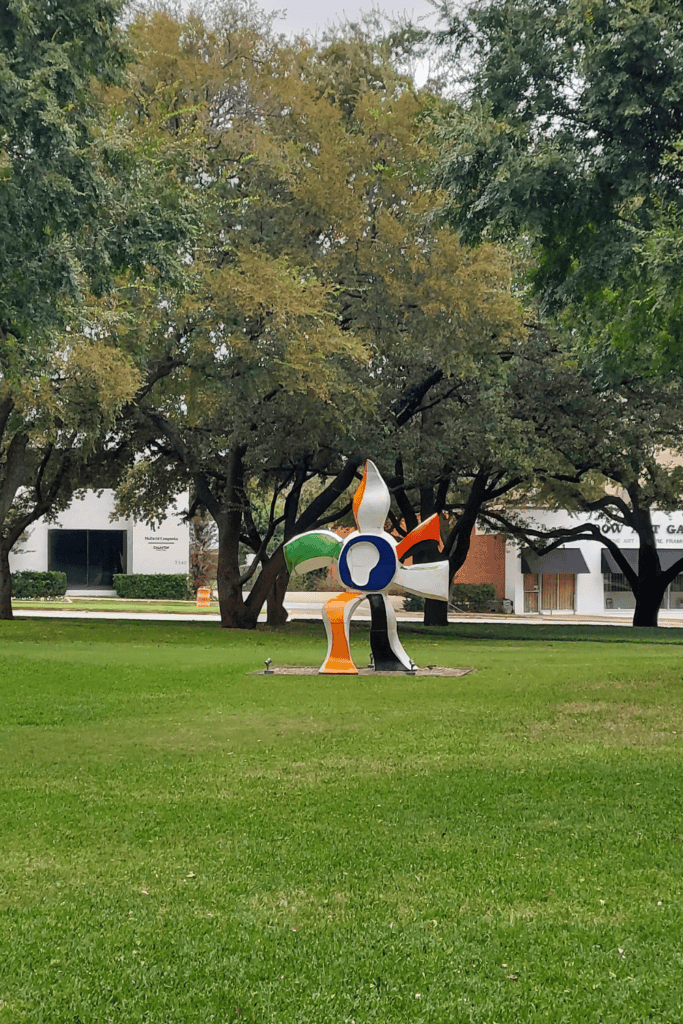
150,587
472,597
413,603
475,597
38,584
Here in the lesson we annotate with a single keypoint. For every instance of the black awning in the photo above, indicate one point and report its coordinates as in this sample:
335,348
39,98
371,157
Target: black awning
667,557
560,560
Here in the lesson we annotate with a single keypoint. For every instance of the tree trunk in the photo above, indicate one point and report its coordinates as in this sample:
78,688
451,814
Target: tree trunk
646,613
649,596
435,613
234,612
277,613
268,588
5,584
649,592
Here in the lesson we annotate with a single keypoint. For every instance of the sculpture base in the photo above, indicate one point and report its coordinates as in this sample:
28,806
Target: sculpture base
309,670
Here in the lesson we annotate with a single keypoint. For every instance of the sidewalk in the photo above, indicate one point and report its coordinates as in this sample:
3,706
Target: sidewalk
309,605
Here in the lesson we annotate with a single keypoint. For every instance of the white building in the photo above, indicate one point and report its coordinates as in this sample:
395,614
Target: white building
90,546
580,576
583,576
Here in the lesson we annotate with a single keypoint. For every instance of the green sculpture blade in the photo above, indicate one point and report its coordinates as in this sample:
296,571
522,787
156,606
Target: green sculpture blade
314,550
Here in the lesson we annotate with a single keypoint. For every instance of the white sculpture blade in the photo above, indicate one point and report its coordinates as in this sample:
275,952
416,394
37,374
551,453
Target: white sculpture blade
372,501
431,579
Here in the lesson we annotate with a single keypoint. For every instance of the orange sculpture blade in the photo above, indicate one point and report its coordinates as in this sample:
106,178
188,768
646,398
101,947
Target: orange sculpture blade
337,615
360,491
429,530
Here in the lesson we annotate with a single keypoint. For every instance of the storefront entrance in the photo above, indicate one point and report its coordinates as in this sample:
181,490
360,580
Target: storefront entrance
88,557
550,579
532,592
549,591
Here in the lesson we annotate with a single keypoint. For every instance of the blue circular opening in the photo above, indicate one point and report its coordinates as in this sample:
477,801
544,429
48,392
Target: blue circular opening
381,575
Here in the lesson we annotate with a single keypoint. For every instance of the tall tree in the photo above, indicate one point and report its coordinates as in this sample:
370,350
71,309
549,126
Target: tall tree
609,440
56,429
570,138
567,145
322,261
82,202
468,446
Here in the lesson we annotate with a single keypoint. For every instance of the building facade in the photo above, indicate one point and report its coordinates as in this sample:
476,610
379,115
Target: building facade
580,577
91,545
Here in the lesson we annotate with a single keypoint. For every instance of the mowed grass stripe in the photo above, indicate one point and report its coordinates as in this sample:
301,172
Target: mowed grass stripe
183,840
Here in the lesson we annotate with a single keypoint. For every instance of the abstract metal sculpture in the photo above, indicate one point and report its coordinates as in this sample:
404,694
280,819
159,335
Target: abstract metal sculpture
368,564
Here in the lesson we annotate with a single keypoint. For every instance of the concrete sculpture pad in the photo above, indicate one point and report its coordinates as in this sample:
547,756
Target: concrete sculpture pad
308,670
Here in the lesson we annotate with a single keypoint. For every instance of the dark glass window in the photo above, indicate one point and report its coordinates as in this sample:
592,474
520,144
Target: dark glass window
88,557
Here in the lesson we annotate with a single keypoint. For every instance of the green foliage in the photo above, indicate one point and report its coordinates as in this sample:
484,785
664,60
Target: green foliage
51,178
81,197
30,584
611,448
317,580
473,597
470,597
152,586
642,317
87,206
571,138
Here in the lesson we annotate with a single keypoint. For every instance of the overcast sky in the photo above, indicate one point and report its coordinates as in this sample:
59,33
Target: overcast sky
303,17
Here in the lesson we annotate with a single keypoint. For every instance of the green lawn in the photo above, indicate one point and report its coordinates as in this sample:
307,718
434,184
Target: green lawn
185,842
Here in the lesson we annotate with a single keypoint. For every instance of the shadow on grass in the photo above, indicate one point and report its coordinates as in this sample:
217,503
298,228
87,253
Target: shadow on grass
525,631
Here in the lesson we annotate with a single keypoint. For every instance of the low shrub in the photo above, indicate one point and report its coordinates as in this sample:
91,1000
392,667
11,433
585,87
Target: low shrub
38,584
153,587
320,580
473,597
470,597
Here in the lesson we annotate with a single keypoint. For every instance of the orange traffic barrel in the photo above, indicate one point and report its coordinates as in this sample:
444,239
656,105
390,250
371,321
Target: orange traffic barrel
203,597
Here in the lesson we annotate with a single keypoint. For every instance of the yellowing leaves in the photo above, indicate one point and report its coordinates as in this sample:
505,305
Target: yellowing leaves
85,383
309,364
105,369
322,268
261,285
289,328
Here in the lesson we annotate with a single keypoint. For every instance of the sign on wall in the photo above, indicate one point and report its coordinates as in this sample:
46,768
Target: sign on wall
161,550
667,531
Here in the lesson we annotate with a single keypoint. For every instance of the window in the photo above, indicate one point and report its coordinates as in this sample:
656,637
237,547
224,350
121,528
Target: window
615,582
88,557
